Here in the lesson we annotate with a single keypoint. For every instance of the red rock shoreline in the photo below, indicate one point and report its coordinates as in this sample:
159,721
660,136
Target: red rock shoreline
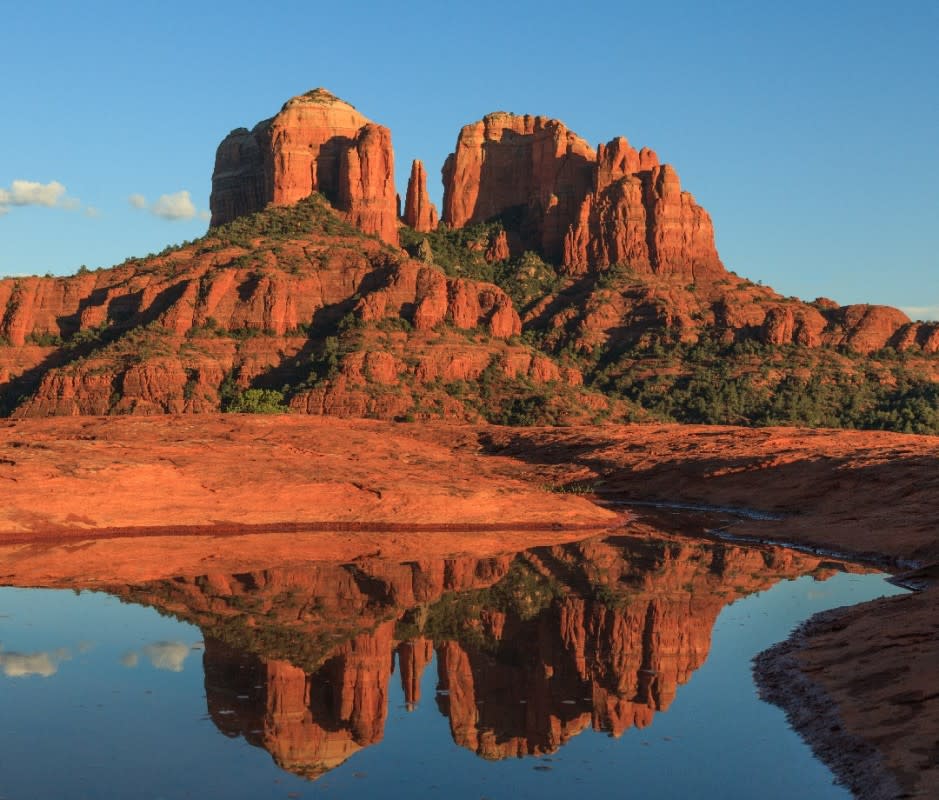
56,536
813,714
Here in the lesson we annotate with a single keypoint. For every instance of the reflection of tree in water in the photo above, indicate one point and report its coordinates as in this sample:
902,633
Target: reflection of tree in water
531,648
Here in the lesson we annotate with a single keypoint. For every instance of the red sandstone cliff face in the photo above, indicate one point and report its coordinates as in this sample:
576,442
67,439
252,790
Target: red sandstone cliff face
162,335
413,658
533,167
419,212
317,143
584,663
629,306
643,219
437,298
309,724
585,209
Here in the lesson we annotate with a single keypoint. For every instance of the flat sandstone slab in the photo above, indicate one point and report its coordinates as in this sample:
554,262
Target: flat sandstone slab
66,476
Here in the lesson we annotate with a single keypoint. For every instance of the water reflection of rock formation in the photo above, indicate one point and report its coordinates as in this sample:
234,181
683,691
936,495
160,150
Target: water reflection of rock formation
308,723
531,648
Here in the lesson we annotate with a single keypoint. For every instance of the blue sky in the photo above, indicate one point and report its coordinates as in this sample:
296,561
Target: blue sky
808,130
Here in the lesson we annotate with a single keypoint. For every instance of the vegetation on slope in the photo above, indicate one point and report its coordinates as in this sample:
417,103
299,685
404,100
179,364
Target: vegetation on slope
660,366
750,383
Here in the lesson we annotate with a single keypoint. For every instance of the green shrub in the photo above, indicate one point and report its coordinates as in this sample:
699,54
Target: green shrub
258,401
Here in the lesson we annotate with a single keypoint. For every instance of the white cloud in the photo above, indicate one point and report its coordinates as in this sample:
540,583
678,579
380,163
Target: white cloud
130,659
92,212
33,193
167,655
24,665
921,312
174,206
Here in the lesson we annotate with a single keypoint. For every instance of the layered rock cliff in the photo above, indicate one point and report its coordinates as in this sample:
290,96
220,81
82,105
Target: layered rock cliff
575,206
641,217
295,297
317,143
532,170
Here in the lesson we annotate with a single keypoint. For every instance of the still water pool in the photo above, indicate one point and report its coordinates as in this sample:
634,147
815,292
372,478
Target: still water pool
614,667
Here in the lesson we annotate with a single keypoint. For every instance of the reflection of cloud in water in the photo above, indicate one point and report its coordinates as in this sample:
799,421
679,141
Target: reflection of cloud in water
23,665
167,655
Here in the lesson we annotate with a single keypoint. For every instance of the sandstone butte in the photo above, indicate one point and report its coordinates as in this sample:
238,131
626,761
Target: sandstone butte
587,209
164,333
317,143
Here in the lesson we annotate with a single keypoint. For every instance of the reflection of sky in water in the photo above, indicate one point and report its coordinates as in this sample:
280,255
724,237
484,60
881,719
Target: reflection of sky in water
118,729
44,664
25,665
169,656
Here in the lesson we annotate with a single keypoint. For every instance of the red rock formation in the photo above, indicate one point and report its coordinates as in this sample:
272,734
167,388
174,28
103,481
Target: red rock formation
617,159
639,216
366,183
118,340
419,212
867,328
317,143
532,167
309,724
802,325
139,320
587,209
587,663
683,237
498,249
437,298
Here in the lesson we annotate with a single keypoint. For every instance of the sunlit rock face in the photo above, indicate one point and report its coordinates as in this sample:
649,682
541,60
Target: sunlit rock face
530,168
317,143
419,212
582,208
531,648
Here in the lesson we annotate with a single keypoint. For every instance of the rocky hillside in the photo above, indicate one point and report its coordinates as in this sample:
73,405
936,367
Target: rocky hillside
560,283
